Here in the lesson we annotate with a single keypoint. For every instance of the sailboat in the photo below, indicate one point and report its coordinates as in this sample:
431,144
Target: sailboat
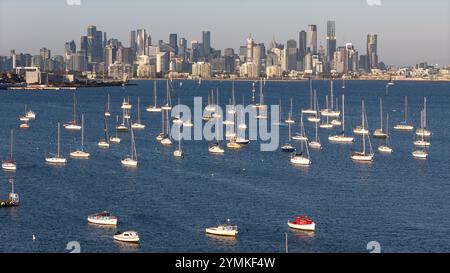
379,133
316,143
232,135
343,82
154,108
104,143
81,153
404,126
262,110
361,129
341,138
162,135
166,139
421,153
330,112
138,124
391,82
131,160
13,200
386,148
72,125
56,159
316,116
326,124
424,131
422,142
168,105
310,110
364,155
108,110
115,139
240,139
288,146
300,158
30,114
302,134
10,164
123,127
215,148
126,104
179,152
336,121
290,120
24,118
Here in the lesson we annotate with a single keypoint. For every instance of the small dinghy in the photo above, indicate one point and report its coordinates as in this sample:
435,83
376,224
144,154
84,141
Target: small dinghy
302,223
127,236
102,218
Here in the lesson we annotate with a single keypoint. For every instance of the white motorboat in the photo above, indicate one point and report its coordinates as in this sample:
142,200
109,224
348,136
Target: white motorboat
216,149
166,141
420,154
127,236
385,149
223,230
30,114
233,145
102,218
242,140
188,123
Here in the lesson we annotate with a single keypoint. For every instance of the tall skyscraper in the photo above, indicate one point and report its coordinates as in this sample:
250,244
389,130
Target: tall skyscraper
173,41
182,46
291,54
133,42
206,40
331,41
45,53
311,43
301,50
141,42
69,49
372,47
249,55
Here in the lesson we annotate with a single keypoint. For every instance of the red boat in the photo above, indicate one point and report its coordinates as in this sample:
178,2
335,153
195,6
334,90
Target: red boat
302,223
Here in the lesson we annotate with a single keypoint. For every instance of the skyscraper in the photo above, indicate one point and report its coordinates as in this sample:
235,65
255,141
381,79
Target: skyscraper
133,42
206,40
291,54
301,50
173,41
182,46
311,43
372,47
249,55
141,42
331,41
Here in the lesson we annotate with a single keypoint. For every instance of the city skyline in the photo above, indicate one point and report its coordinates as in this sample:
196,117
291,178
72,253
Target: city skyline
408,50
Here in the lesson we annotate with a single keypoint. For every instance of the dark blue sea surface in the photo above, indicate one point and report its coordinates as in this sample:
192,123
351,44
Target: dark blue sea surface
396,200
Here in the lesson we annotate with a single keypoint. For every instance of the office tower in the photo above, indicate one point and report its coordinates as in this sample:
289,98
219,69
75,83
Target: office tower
83,43
133,42
249,55
331,40
291,54
105,40
301,50
90,48
69,49
141,42
372,55
363,62
243,53
173,42
98,46
91,30
182,48
311,42
110,55
149,40
206,40
45,53
340,60
13,59
259,56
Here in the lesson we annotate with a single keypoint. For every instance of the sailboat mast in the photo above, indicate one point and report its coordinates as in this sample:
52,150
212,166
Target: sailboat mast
387,128
82,131
364,127
406,108
58,139
12,139
424,112
139,110
343,113
154,91
74,108
310,94
381,114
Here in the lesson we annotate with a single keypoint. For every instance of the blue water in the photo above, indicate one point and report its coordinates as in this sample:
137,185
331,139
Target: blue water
400,202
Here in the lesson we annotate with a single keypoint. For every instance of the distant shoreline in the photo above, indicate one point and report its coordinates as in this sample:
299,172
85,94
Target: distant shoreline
287,80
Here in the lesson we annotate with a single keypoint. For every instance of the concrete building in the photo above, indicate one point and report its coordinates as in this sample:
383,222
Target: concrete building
201,69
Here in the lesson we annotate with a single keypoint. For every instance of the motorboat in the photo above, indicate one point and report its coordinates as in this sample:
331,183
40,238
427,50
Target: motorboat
102,218
127,236
223,230
215,149
302,223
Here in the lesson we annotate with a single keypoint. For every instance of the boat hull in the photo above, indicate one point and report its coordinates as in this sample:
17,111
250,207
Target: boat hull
340,139
80,154
129,162
9,166
307,227
221,232
55,160
403,127
300,160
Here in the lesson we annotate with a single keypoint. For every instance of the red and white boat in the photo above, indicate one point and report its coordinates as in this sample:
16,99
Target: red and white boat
302,223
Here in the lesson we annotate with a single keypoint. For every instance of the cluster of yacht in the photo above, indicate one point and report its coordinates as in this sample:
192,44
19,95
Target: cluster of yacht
331,116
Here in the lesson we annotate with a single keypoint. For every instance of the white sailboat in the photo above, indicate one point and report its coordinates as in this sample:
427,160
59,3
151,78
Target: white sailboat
104,143
420,151
424,131
287,147
364,155
30,114
72,125
385,148
81,153
166,138
215,148
361,129
301,158
422,142
126,104
262,109
138,124
56,159
336,122
316,116
341,137
241,139
290,120
131,160
153,108
310,110
330,112
108,106
302,134
24,118
115,139
379,133
404,126
124,126
326,124
10,164
315,144
168,105
179,152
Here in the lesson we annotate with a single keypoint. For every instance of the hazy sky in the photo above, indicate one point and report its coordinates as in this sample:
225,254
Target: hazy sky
409,31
